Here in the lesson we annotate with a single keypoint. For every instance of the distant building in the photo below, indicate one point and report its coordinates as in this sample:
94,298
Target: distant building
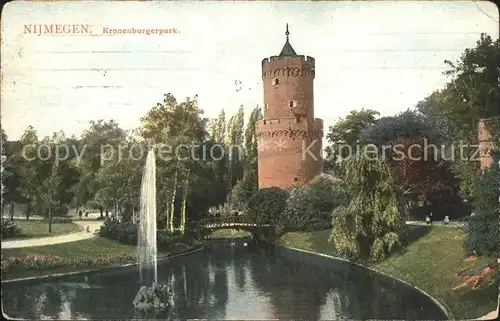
486,154
289,137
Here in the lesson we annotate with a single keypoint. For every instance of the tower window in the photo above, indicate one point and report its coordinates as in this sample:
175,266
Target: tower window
266,106
295,179
292,104
275,82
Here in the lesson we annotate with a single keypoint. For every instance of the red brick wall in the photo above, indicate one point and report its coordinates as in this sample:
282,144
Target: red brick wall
484,145
295,76
289,138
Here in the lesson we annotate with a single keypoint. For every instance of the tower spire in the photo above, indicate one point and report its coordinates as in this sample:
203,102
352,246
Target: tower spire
287,48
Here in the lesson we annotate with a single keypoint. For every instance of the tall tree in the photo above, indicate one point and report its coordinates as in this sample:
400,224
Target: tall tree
178,127
343,138
10,173
370,226
96,145
472,93
28,165
48,192
234,143
417,158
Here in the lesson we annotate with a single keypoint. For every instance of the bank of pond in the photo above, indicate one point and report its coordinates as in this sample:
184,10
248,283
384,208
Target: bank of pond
236,278
229,280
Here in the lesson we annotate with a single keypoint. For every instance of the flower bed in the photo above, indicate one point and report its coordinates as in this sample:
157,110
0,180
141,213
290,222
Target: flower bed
75,256
41,262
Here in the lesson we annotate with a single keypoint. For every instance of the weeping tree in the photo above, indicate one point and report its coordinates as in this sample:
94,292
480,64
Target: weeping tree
370,227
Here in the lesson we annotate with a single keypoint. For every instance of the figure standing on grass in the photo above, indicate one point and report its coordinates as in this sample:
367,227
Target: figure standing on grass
428,218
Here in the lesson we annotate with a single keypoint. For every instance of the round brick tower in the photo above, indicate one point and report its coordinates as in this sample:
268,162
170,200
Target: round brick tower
289,137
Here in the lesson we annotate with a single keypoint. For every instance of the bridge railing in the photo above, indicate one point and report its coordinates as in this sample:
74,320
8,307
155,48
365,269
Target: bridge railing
220,221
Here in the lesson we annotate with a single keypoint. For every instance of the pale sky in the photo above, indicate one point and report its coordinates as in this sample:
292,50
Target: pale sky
381,55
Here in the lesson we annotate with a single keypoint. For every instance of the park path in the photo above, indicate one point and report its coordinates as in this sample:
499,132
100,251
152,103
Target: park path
72,237
451,224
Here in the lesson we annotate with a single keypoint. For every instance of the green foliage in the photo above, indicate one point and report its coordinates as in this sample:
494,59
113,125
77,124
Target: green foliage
9,229
485,191
61,210
123,232
43,262
243,191
343,237
167,241
472,93
327,193
60,220
483,227
370,227
377,252
309,208
268,204
407,124
126,233
483,234
346,132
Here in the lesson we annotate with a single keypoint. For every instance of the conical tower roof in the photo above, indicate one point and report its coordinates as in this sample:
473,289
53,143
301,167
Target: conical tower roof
287,48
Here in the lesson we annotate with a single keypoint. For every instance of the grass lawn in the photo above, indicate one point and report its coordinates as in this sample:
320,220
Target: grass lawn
429,262
228,233
38,228
103,251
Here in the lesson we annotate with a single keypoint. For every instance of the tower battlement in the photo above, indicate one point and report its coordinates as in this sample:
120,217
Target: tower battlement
290,128
306,59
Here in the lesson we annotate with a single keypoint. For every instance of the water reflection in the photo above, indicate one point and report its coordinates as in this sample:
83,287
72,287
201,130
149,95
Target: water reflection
228,283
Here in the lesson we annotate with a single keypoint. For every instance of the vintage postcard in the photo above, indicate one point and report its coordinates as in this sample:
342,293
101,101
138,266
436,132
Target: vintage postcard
250,160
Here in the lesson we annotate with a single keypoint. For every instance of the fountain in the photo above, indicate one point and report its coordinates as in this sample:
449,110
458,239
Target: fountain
146,234
151,294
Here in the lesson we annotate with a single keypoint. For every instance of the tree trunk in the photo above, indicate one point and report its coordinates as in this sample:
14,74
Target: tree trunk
28,211
184,200
12,208
403,207
172,202
50,220
167,210
101,211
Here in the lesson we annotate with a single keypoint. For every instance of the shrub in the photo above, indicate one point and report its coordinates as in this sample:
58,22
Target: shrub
327,193
59,211
59,220
377,251
483,235
9,229
126,233
485,191
123,232
309,208
268,204
242,192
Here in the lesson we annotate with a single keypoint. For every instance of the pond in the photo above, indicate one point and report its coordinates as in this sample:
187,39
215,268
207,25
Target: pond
228,281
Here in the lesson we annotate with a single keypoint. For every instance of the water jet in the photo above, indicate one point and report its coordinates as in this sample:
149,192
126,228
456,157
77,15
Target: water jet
151,294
